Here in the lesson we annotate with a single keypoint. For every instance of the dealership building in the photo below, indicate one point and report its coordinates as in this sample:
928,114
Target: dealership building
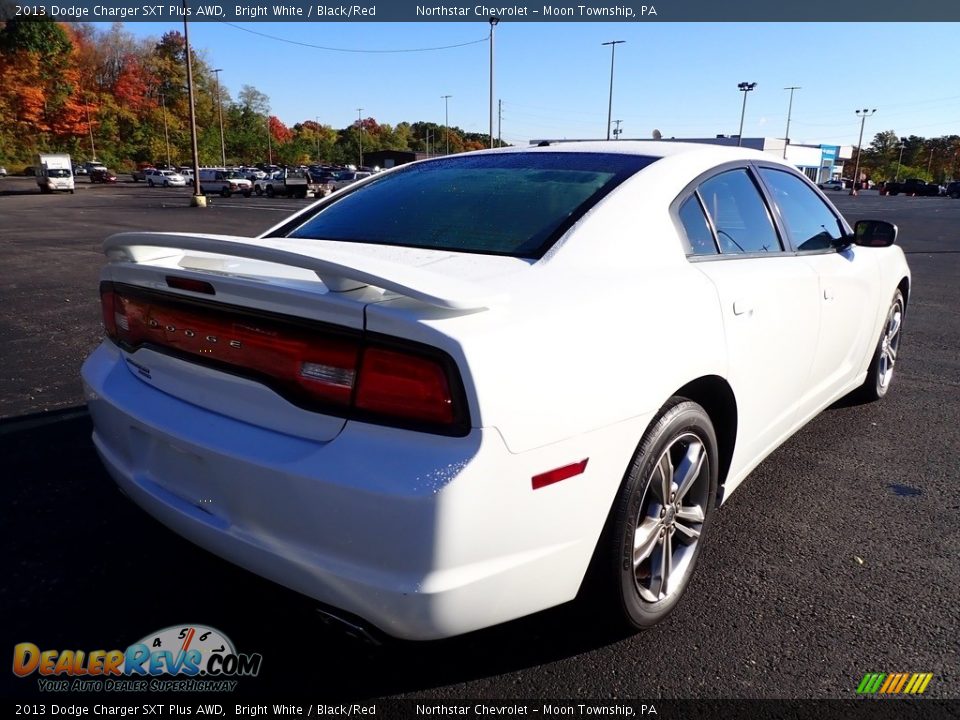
818,162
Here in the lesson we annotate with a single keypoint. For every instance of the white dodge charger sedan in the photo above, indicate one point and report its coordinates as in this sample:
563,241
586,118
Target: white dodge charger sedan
474,387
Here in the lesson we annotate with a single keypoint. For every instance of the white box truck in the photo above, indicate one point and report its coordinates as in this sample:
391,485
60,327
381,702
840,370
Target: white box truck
54,172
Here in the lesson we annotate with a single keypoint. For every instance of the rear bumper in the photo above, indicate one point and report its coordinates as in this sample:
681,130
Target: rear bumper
422,536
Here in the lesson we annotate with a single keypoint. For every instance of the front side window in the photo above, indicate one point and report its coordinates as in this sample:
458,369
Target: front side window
739,214
514,204
808,220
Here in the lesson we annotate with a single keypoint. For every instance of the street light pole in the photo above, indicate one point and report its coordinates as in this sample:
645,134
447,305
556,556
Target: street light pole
166,134
198,199
744,87
863,115
613,51
493,23
786,136
223,147
446,119
903,141
269,141
360,135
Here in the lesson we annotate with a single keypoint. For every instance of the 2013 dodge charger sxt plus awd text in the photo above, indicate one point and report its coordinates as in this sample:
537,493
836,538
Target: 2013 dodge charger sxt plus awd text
434,400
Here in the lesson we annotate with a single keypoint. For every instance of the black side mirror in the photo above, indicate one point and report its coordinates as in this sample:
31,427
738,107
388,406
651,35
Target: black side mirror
874,233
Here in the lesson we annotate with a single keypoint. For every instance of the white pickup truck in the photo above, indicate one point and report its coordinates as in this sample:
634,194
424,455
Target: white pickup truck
293,183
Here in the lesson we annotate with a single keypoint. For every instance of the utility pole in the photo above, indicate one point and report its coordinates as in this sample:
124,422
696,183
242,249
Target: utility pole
166,135
744,87
198,199
613,51
360,135
499,123
930,161
269,141
93,149
223,147
446,119
863,115
493,23
317,131
903,142
786,135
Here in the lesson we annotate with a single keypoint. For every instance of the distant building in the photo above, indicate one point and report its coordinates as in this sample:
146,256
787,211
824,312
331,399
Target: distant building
818,162
391,158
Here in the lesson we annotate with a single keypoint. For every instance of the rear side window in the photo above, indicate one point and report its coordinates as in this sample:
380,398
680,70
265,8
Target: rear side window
808,220
699,237
502,204
739,214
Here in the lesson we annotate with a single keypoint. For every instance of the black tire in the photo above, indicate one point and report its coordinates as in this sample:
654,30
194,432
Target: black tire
880,374
149,182
225,192
270,191
246,193
258,190
620,573
302,194
955,195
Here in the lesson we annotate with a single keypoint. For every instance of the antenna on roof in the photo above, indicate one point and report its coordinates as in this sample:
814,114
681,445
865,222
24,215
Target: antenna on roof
657,135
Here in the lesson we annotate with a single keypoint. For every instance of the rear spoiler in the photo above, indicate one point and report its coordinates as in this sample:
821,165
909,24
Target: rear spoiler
339,271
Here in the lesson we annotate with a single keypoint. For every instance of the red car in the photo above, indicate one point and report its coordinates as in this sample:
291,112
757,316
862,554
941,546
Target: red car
102,176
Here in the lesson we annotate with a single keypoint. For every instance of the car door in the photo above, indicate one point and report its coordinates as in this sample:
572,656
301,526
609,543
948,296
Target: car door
769,301
847,276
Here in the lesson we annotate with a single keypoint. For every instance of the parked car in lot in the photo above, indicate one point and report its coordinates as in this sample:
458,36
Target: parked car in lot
475,387
164,178
102,176
913,186
222,182
348,177
831,185
3,171
140,174
953,189
292,183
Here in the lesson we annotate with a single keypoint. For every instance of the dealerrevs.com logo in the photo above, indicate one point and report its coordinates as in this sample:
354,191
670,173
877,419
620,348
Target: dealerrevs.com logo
185,658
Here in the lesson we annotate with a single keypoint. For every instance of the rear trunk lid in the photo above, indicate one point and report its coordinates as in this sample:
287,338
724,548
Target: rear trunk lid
240,326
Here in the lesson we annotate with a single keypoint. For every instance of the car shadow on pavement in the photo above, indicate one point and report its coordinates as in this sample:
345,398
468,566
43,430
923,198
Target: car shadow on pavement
84,567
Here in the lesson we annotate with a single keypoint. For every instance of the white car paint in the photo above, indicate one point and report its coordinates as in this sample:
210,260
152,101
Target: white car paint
564,358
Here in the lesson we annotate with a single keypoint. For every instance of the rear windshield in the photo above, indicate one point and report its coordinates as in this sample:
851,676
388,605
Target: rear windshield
502,204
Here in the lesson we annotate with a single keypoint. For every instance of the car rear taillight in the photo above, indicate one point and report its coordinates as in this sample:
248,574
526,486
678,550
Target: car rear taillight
402,385
315,366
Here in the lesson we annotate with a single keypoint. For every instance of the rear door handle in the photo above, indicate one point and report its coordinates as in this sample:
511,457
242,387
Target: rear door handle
742,307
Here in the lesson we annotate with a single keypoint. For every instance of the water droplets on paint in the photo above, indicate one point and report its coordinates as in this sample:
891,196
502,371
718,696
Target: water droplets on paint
436,479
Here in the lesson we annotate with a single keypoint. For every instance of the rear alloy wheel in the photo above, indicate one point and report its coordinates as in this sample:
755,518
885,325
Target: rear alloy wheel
258,190
269,190
880,375
150,183
661,515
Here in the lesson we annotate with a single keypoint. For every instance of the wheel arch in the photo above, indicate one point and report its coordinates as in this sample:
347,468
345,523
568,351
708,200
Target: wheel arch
715,395
904,287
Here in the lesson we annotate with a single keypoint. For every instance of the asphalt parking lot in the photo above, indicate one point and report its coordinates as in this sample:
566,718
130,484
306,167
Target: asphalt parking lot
838,557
